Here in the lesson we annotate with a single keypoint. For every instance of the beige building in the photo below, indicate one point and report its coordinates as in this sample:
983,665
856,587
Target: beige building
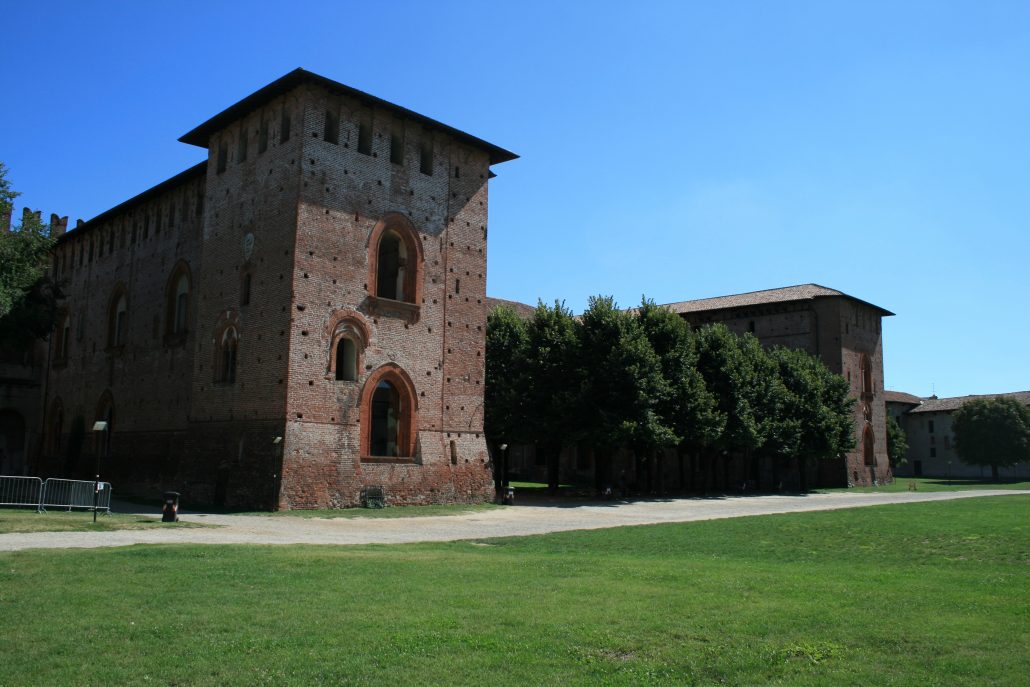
931,441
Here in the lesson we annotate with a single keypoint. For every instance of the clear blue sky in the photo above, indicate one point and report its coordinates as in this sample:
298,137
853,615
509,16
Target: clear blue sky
679,150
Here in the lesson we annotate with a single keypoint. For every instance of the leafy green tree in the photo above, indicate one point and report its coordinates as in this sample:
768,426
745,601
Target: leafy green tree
28,297
623,385
504,415
814,417
552,384
897,443
738,373
993,431
689,410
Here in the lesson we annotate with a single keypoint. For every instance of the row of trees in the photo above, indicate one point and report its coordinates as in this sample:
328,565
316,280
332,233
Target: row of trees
28,296
643,381
992,431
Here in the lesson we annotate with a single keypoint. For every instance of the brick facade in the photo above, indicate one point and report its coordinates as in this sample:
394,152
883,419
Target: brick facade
307,182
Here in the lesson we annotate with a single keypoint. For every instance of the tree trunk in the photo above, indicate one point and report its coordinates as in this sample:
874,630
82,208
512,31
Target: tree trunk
679,457
553,464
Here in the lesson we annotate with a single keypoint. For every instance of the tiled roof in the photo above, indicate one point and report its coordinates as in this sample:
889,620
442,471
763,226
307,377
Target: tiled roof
937,405
802,292
200,135
901,397
521,309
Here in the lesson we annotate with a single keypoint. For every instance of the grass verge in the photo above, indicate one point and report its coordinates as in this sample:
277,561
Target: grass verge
917,594
935,484
14,520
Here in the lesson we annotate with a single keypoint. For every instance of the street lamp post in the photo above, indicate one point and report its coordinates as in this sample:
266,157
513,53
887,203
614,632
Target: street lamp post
100,426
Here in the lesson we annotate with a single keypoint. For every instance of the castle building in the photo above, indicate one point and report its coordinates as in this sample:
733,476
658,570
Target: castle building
844,333
297,319
841,330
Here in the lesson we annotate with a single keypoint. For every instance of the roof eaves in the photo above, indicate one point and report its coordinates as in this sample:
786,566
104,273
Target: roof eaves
200,135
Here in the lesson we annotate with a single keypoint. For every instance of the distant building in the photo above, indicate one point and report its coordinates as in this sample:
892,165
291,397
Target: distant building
931,441
841,330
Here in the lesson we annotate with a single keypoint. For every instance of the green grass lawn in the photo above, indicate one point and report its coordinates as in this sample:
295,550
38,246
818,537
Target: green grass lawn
936,484
15,520
918,594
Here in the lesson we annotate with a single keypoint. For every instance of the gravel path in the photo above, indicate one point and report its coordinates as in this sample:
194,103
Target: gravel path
502,522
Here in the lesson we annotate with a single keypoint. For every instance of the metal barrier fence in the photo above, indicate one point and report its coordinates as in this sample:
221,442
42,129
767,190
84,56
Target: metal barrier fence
53,493
20,491
71,493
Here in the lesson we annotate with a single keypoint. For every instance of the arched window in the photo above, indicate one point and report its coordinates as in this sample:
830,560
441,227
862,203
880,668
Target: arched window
177,301
869,446
225,370
395,260
117,323
346,360
392,261
62,337
867,374
386,411
389,421
347,335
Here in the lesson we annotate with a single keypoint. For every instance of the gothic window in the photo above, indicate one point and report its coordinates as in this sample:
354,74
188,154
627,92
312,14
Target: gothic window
177,308
867,374
346,360
386,410
225,368
395,260
388,415
63,337
869,446
241,146
118,319
392,261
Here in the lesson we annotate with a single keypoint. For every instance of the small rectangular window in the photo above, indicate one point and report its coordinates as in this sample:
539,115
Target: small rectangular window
241,146
396,149
929,426
425,161
263,137
454,452
457,172
284,127
457,286
933,452
332,128
364,139
223,153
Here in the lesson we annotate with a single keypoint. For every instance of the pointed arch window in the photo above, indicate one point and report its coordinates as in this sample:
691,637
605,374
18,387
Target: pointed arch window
228,348
118,318
346,360
389,416
62,338
869,446
395,266
867,374
177,304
